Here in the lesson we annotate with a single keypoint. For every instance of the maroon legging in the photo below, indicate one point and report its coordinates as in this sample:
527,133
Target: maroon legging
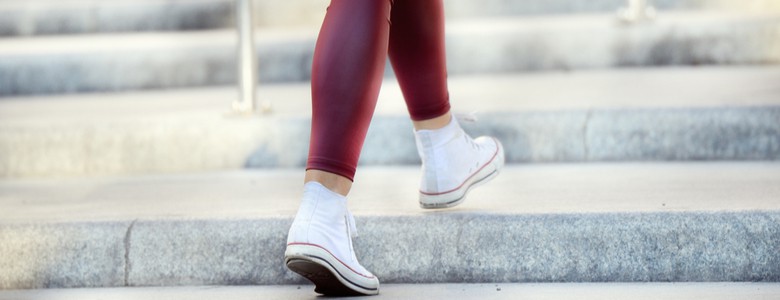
349,59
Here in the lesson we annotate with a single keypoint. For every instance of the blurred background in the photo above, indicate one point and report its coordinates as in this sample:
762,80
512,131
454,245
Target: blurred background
96,87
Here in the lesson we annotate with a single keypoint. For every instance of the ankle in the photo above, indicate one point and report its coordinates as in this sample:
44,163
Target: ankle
336,183
434,123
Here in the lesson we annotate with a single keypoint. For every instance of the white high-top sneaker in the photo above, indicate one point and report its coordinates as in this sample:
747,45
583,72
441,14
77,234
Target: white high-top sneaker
319,245
453,163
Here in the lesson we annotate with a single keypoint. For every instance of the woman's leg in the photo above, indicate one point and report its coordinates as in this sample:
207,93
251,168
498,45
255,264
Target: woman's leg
417,54
453,162
347,71
349,61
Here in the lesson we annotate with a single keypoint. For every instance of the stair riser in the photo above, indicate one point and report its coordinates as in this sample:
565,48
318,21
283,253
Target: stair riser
181,145
597,43
457,247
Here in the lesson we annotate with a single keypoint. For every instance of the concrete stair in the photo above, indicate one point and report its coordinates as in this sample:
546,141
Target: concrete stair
164,60
714,113
706,221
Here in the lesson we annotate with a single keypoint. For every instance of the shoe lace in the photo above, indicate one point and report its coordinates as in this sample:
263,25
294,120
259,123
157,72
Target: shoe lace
352,232
470,117
471,142
351,225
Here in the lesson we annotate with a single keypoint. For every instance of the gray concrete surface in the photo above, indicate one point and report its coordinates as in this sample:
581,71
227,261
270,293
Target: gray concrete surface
45,17
138,61
534,223
181,143
62,255
551,291
712,113
633,88
541,188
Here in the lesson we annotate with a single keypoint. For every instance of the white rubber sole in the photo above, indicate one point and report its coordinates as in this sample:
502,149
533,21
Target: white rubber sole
330,276
454,197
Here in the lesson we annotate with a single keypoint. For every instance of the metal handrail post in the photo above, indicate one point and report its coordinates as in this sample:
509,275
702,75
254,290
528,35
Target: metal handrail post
247,62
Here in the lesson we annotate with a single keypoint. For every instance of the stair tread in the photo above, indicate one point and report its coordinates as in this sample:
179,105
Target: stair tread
392,191
675,87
